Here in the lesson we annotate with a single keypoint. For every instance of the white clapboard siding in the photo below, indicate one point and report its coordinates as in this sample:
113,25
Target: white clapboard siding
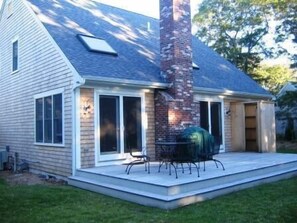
41,69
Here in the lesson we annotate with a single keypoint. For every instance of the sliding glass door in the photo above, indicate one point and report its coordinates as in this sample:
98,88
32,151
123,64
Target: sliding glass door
216,122
132,123
120,126
211,119
109,125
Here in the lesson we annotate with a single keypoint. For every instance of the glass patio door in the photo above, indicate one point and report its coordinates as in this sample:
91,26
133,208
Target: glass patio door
132,123
216,122
109,125
120,126
211,119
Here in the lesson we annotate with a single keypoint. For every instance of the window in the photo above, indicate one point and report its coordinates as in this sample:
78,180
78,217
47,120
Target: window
96,44
15,55
9,8
49,119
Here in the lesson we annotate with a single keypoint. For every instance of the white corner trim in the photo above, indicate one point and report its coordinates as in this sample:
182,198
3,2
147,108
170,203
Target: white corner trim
96,124
76,130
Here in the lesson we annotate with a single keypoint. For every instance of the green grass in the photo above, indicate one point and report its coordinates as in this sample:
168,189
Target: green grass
286,150
287,146
275,202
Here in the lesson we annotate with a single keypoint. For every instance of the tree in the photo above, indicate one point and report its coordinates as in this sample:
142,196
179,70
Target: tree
272,77
235,29
288,27
287,104
289,100
286,16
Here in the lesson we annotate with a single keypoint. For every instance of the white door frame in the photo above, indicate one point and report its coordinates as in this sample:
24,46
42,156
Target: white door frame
210,99
121,93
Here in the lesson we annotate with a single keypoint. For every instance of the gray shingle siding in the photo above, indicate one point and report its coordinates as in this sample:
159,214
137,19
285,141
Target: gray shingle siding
41,69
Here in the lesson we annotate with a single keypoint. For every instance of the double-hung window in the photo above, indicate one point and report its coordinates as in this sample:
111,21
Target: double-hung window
15,55
49,119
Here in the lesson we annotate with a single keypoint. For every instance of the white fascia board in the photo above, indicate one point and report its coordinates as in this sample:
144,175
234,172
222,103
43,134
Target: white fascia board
229,93
77,79
91,80
2,9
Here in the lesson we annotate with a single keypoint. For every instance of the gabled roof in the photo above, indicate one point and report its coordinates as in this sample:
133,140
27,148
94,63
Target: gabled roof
136,44
290,86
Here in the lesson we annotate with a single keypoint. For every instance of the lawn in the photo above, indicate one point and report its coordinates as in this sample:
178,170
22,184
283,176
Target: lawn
286,147
275,202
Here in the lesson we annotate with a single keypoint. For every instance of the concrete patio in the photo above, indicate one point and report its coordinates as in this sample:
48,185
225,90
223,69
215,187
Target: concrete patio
159,189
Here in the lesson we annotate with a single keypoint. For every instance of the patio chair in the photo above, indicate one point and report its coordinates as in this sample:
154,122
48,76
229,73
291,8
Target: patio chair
208,154
138,159
184,153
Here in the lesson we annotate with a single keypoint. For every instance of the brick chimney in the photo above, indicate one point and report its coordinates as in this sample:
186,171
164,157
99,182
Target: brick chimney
175,108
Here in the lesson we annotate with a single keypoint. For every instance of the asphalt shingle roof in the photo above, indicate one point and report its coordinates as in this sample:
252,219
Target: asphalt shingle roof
137,47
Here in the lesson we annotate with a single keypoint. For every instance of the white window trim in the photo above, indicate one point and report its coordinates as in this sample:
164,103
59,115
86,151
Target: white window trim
15,39
43,95
103,159
12,7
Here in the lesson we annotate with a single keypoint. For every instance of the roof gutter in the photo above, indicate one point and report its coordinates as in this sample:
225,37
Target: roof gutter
230,93
91,80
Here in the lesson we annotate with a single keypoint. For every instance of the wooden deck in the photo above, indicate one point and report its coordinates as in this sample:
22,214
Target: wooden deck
159,189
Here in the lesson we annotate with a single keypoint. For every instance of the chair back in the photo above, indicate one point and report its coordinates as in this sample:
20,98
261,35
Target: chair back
184,152
216,149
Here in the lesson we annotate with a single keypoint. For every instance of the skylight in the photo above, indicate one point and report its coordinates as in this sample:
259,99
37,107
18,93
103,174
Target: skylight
95,44
195,66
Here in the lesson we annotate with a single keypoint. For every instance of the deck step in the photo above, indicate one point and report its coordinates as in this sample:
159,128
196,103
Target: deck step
176,195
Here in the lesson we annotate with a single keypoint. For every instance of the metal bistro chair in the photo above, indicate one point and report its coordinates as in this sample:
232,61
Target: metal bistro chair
208,153
138,160
184,153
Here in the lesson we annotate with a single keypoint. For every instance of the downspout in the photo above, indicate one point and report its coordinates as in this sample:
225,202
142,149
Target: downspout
79,81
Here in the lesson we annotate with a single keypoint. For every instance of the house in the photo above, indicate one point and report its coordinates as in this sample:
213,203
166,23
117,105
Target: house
286,118
81,82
